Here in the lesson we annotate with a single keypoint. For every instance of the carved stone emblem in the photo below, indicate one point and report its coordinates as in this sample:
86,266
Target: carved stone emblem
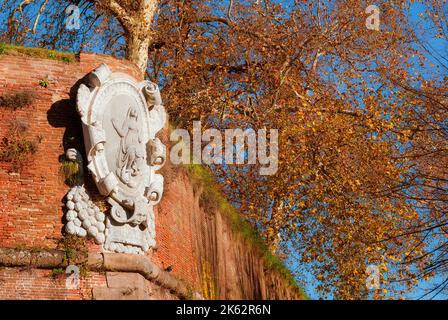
120,121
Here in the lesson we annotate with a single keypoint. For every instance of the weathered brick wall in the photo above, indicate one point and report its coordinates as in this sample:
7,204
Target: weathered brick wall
31,202
31,284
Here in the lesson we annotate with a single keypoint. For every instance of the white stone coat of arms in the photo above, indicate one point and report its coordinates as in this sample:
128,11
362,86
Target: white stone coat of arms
120,119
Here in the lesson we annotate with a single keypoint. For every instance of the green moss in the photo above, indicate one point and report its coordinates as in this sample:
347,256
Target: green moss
2,48
67,57
56,272
212,198
69,171
75,250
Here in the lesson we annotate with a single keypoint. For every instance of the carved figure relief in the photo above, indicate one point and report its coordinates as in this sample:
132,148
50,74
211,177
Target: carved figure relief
120,120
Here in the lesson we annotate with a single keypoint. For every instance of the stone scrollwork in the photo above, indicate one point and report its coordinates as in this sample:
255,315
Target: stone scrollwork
120,120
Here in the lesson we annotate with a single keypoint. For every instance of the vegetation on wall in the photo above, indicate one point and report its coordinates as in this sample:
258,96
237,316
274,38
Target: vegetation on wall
16,100
56,272
211,198
16,148
37,53
75,250
69,171
44,83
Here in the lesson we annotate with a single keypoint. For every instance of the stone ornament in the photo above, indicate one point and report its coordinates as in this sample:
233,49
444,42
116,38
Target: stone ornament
83,216
120,120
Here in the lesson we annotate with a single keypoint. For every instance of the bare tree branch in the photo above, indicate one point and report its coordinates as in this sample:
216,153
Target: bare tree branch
39,13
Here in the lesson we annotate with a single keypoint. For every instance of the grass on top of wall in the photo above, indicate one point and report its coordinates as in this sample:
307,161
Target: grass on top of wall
37,53
211,197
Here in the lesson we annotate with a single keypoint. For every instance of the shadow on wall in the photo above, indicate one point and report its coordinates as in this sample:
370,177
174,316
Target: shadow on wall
64,114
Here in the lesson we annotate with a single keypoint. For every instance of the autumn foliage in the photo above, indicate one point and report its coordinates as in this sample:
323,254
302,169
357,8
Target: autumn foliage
362,176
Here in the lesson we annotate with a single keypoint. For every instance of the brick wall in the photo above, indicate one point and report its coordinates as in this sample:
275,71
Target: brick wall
31,202
31,284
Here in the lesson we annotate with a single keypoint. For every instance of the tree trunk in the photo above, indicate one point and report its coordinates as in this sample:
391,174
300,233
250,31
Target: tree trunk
137,45
137,25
